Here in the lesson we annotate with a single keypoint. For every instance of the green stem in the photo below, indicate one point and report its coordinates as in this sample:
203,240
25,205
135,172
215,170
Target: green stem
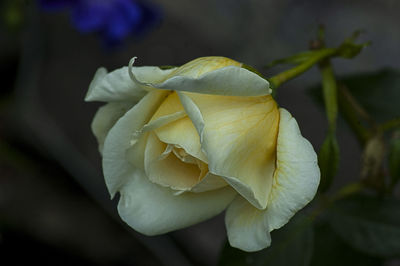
287,75
329,89
391,124
351,113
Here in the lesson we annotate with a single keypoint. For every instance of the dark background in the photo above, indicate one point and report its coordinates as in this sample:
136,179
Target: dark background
54,207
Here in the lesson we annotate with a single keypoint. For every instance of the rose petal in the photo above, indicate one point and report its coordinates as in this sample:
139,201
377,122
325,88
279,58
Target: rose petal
118,139
297,176
246,226
147,207
180,132
295,183
168,170
230,80
118,86
211,75
238,136
203,65
209,182
105,119
152,209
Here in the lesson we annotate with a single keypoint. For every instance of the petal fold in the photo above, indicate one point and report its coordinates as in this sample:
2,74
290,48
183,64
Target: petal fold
297,175
230,80
238,136
180,132
295,183
118,85
115,164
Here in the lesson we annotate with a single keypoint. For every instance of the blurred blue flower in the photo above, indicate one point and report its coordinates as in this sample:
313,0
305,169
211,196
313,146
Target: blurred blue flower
113,19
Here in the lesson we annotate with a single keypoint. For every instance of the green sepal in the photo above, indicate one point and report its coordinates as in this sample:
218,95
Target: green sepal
331,250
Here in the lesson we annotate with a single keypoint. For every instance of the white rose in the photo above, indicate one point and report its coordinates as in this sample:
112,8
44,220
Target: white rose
182,145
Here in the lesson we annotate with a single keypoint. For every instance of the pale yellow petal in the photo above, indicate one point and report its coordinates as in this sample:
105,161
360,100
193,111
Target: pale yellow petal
209,182
246,226
118,139
214,75
297,175
295,183
164,168
203,65
152,209
180,132
238,136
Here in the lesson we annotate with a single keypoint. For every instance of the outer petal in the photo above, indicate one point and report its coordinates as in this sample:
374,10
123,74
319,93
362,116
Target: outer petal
213,75
118,140
150,208
105,119
247,226
118,86
295,183
238,136
297,176
230,80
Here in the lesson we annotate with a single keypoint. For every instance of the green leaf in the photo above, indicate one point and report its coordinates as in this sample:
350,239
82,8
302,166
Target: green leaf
394,158
291,245
328,161
368,224
331,250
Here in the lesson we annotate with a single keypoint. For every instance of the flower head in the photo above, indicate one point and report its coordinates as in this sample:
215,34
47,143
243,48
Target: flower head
182,145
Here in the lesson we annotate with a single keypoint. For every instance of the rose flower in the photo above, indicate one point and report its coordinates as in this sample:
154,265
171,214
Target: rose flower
183,144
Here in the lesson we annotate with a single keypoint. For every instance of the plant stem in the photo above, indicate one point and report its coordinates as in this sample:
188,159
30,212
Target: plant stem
391,124
329,89
351,110
287,75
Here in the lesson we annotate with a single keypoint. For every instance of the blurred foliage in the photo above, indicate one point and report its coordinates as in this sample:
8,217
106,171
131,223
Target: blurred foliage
331,250
368,224
12,14
394,158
